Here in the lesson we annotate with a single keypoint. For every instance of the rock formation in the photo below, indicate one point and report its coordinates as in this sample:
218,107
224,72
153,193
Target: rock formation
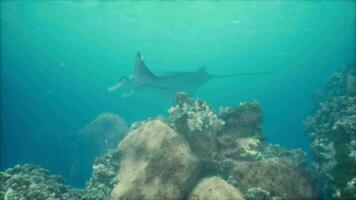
332,133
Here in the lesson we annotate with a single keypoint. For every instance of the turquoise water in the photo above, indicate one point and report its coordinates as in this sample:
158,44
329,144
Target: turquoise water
59,57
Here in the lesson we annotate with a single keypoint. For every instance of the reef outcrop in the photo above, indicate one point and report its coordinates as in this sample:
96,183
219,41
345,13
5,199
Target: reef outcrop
230,145
332,133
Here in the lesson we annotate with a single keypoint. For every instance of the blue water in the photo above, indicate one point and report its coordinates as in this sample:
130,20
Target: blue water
59,57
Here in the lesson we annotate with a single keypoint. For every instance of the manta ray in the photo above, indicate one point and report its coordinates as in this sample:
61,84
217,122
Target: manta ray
169,83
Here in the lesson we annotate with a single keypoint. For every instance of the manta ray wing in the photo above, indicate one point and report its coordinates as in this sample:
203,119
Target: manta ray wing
143,76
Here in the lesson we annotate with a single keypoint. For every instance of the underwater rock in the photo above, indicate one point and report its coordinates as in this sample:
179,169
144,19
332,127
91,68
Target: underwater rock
240,138
197,122
244,120
231,147
104,131
94,139
237,138
33,182
214,188
235,148
191,116
218,138
332,132
103,178
296,157
157,164
257,193
276,176
342,83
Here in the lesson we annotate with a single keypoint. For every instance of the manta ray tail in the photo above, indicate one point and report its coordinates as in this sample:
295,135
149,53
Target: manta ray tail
242,74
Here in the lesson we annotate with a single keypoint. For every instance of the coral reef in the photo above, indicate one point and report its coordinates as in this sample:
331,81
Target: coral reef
193,116
342,83
296,157
157,164
198,123
243,121
218,138
332,132
33,182
232,149
241,138
236,148
257,193
103,178
214,188
164,159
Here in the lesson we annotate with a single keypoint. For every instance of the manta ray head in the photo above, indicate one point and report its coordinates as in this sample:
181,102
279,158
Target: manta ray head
124,84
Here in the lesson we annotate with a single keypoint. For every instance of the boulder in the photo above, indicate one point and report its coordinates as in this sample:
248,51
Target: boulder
214,188
276,176
104,131
93,140
157,163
